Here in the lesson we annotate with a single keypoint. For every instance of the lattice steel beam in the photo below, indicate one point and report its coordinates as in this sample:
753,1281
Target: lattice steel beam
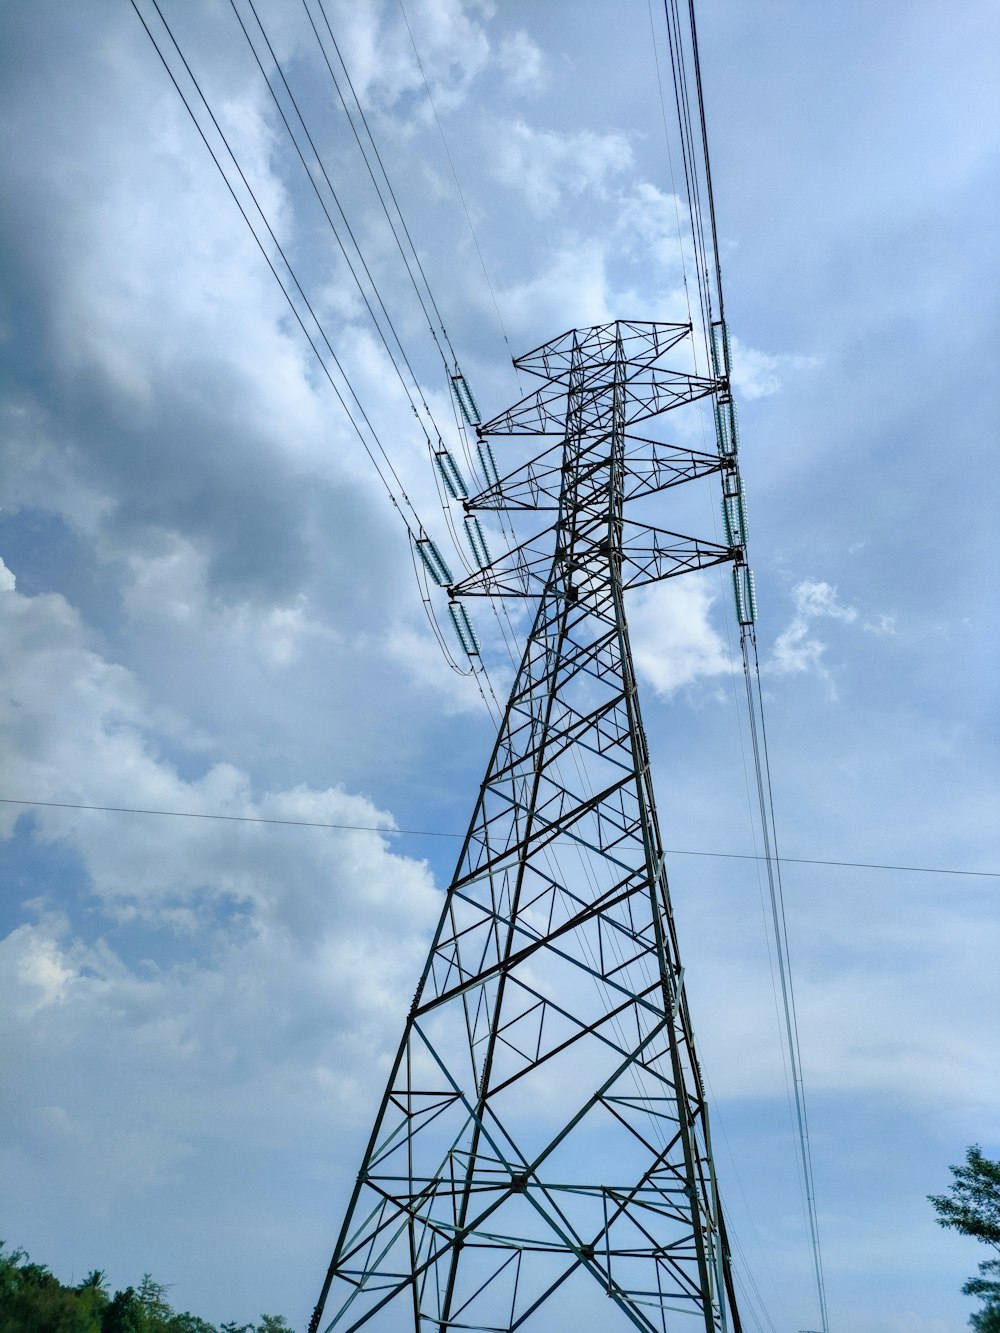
544,1135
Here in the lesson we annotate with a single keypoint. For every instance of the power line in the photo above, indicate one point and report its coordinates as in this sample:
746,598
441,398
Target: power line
454,172
395,489
385,177
447,833
330,221
696,172
295,311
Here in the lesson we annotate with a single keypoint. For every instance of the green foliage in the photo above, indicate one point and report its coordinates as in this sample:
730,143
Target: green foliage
986,1285
972,1206
152,1296
124,1314
190,1323
33,1300
987,1321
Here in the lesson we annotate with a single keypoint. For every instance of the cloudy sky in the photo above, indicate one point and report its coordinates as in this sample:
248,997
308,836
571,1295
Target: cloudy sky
208,606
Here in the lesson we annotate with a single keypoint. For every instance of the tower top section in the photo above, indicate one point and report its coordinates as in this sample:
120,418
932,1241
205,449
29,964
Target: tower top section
641,342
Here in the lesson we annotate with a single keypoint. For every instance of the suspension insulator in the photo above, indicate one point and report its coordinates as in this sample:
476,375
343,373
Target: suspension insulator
454,482
466,403
734,517
488,463
721,358
727,435
745,595
434,562
463,629
477,541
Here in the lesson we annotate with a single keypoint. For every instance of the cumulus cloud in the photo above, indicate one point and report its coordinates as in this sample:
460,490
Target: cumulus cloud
212,612
250,982
452,45
548,167
523,63
148,1060
758,374
673,639
78,727
573,280
797,649
651,225
593,273
233,517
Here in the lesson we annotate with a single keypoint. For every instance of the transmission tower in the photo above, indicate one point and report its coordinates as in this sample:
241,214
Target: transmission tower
541,1154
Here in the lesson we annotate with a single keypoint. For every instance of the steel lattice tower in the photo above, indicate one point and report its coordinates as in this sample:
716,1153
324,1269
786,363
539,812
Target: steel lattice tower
543,1140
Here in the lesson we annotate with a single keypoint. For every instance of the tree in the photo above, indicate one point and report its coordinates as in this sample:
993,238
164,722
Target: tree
10,1268
124,1314
972,1206
189,1323
33,1300
92,1299
152,1296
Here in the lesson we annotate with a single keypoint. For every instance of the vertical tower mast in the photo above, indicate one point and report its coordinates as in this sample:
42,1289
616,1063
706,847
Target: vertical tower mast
543,1139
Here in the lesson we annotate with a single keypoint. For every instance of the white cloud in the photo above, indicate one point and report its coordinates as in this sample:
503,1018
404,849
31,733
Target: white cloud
523,63
814,598
452,46
571,288
37,976
250,989
171,584
651,225
417,654
212,1004
797,649
77,727
882,624
590,273
673,639
759,374
549,166
234,513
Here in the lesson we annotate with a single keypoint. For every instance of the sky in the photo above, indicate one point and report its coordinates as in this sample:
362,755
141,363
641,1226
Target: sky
209,606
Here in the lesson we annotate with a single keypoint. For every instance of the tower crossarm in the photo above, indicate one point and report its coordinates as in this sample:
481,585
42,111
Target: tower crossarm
648,555
646,392
652,554
651,466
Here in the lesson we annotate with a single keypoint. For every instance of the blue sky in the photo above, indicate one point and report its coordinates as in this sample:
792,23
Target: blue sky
209,606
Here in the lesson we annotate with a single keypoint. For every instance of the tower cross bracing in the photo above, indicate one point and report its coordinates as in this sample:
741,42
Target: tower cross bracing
543,1140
